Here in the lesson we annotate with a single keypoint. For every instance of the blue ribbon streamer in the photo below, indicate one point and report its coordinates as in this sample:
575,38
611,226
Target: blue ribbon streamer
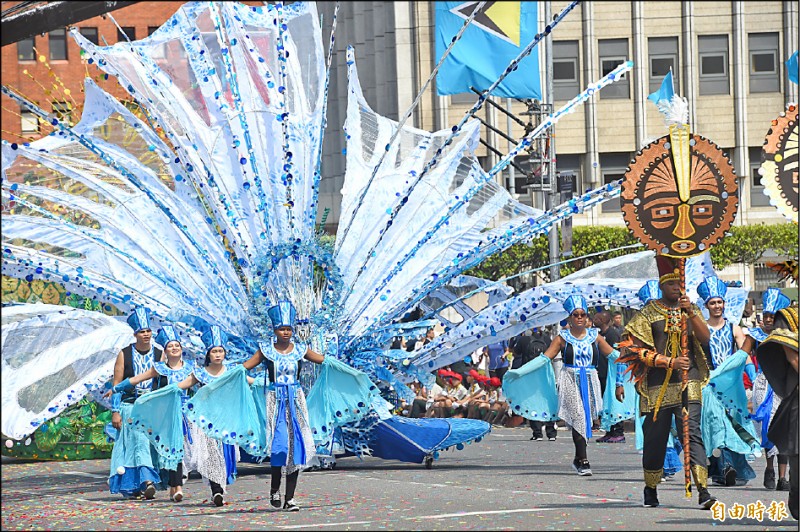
285,393
584,387
763,414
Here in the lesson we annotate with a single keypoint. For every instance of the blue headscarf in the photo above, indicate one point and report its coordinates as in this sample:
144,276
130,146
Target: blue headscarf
139,320
775,300
282,315
167,334
712,287
574,302
650,290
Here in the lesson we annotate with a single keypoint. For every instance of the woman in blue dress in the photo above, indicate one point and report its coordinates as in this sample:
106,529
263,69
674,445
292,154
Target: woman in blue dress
173,370
290,445
580,400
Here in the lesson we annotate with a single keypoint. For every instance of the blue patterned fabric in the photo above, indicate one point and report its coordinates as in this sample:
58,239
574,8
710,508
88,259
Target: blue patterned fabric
167,334
531,390
721,344
224,409
763,414
725,421
672,460
340,395
158,416
583,349
463,431
757,333
650,290
214,336
285,364
614,411
575,301
712,287
138,460
774,300
142,363
139,320
282,315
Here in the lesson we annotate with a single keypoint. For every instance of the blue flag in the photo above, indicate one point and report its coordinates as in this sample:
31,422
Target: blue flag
666,92
791,68
497,34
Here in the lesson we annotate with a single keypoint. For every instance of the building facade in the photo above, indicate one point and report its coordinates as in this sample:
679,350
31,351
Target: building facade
727,58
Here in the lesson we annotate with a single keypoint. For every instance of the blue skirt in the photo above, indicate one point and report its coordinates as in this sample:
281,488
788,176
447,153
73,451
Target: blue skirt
135,457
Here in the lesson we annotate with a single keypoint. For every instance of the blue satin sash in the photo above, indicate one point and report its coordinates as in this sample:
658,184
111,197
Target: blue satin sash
285,394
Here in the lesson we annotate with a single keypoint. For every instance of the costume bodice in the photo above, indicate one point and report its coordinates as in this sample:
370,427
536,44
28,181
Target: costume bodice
580,352
721,343
285,364
174,376
204,377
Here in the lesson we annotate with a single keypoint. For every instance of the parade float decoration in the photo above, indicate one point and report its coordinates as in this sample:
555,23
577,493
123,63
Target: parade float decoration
202,207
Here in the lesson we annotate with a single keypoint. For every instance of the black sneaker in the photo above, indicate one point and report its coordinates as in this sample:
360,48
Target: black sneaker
536,438
704,499
783,485
551,438
650,499
275,501
150,491
769,479
582,467
218,500
290,506
730,476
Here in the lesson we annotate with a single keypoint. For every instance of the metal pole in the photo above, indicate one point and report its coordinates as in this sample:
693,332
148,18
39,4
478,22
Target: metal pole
551,153
512,189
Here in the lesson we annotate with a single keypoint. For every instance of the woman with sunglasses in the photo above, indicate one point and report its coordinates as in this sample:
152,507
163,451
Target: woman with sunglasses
580,400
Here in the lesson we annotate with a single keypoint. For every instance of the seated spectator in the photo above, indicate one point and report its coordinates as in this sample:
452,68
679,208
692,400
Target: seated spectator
437,396
498,407
461,406
418,403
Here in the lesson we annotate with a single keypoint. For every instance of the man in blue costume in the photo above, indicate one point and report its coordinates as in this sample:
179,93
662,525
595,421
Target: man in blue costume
134,461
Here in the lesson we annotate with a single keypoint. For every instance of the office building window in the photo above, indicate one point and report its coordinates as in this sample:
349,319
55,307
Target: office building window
566,69
25,51
90,34
130,31
151,30
63,111
713,55
58,45
663,54
612,168
758,198
29,123
612,53
764,70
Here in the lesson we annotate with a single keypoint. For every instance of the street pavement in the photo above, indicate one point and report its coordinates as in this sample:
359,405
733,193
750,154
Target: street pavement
505,482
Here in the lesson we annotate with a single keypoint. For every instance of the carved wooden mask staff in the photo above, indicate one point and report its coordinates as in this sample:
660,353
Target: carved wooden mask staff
679,197
779,160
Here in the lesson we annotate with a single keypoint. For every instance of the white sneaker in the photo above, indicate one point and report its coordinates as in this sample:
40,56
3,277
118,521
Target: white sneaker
291,506
275,502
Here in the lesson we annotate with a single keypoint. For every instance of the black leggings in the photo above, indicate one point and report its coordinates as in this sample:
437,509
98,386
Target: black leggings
176,477
580,445
291,482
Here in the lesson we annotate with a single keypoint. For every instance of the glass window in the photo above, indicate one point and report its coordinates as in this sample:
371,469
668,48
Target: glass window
25,51
758,198
764,66
612,168
63,111
151,30
613,52
90,34
29,122
713,57
58,45
130,31
566,70
663,54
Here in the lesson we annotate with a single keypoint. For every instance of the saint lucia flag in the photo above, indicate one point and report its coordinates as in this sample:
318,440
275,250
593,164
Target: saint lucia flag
497,34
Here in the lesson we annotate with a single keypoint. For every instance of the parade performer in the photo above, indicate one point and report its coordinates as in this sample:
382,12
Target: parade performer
726,466
288,430
765,401
134,461
653,354
172,371
160,415
778,358
530,389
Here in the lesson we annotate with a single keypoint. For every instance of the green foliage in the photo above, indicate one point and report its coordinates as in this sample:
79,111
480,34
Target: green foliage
81,422
745,244
748,243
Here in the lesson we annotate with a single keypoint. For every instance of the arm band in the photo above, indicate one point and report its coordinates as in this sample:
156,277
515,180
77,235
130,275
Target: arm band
116,401
750,370
621,374
122,386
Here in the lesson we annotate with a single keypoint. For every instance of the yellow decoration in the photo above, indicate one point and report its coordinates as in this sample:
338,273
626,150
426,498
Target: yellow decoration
42,59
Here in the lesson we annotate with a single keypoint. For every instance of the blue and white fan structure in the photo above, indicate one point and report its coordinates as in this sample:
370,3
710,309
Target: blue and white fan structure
205,210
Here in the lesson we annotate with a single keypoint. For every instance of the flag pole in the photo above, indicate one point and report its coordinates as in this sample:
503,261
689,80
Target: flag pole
550,153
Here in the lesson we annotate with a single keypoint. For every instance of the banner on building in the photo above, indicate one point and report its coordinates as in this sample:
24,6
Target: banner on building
493,39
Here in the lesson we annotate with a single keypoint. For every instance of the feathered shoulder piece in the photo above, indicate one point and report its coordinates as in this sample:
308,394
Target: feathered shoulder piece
632,356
